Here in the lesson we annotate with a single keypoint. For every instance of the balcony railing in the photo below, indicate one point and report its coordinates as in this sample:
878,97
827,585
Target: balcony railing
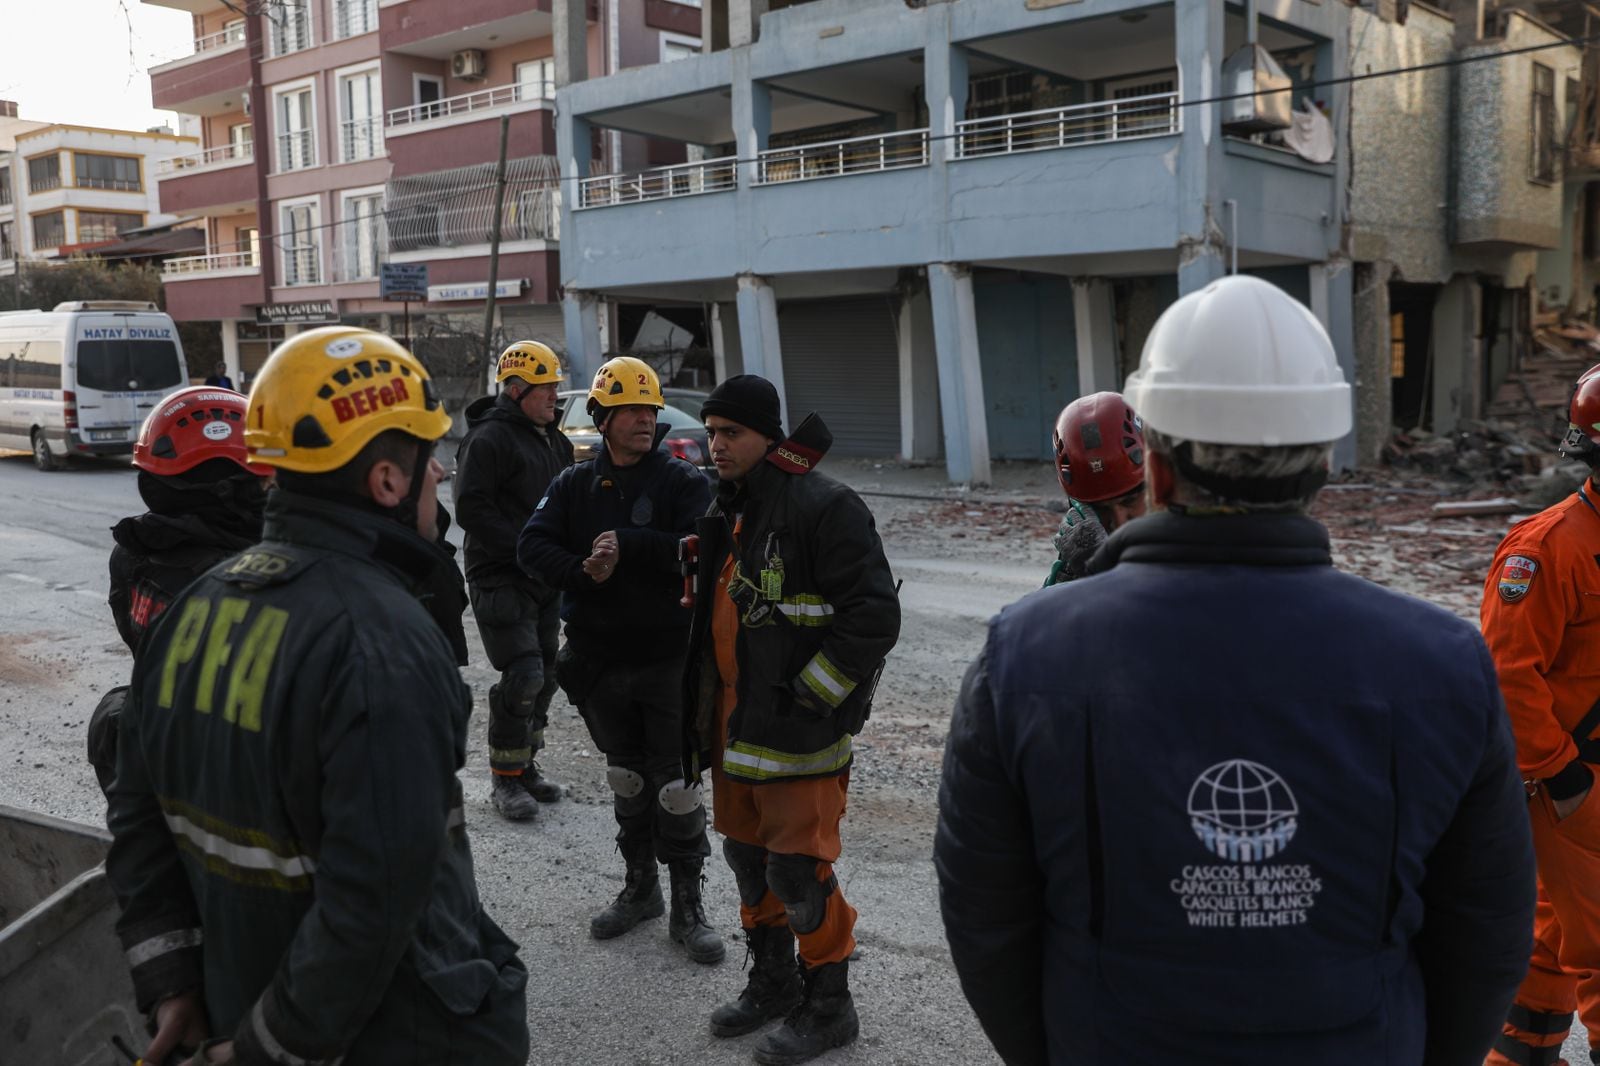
361,139
451,106
209,264
222,154
302,265
354,17
832,159
662,183
224,38
1155,115
296,150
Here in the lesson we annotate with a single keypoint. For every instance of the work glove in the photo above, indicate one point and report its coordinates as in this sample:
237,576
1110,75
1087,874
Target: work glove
808,701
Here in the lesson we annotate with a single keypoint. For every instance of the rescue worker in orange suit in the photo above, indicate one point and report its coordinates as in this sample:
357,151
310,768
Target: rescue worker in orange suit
205,503
795,611
289,848
1541,618
1099,453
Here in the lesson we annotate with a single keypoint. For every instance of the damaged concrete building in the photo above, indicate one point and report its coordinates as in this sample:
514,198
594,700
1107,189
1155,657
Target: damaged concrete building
938,221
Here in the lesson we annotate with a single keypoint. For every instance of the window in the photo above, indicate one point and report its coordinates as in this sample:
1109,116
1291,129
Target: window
352,17
30,364
8,250
536,80
5,186
1397,345
674,47
248,240
44,173
128,366
233,31
300,239
1542,127
119,172
241,141
289,26
428,90
363,236
297,147
50,230
105,225
361,107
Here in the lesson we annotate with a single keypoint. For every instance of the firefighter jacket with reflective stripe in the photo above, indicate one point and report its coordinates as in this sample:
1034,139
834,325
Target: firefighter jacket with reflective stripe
818,613
650,505
1541,617
1223,803
154,558
503,468
287,821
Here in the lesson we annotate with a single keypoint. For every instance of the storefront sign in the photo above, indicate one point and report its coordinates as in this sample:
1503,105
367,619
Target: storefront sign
309,311
403,281
476,290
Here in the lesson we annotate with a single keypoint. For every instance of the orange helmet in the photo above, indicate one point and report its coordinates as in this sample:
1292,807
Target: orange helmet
191,426
1099,446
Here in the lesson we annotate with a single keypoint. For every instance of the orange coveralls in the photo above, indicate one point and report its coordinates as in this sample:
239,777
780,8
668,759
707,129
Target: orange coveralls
1541,619
787,817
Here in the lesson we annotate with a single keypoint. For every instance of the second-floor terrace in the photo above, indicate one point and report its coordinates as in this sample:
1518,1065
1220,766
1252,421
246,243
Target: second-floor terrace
1047,140
210,78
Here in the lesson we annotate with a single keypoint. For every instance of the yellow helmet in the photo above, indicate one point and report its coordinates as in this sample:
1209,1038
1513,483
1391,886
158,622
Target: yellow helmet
529,361
324,394
623,381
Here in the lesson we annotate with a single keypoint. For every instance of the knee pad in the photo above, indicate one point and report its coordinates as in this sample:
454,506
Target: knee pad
680,798
628,787
749,865
793,879
519,686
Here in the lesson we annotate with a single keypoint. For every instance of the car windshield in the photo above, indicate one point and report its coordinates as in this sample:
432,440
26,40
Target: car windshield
577,419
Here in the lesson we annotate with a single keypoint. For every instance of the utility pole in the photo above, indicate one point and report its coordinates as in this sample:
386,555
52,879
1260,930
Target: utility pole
494,243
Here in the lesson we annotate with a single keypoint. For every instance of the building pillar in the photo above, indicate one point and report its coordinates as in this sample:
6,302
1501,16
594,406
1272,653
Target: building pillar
1374,358
571,38
752,119
1094,316
580,312
1200,52
744,21
230,350
919,377
727,356
955,330
1333,302
1457,359
759,341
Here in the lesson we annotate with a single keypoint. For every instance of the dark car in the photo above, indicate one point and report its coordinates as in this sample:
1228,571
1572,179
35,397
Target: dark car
686,439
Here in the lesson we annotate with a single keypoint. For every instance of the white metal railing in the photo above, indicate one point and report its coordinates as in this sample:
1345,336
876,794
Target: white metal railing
1155,115
290,29
361,138
662,183
222,153
854,155
296,150
450,106
223,38
44,184
206,264
354,17
302,264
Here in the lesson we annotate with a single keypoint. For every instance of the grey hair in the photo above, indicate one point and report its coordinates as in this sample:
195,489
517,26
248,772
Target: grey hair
1250,462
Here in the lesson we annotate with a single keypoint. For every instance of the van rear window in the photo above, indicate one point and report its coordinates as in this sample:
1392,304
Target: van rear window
128,366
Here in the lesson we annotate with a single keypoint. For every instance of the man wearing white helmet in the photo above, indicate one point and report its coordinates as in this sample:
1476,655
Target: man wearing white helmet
1217,801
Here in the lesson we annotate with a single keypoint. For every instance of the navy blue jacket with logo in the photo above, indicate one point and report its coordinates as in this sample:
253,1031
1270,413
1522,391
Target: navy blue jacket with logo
1222,803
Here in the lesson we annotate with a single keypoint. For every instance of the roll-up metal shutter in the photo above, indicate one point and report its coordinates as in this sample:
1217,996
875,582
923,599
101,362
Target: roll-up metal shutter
534,322
841,359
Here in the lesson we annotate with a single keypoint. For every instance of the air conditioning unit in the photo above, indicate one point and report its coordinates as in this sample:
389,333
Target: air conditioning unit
468,65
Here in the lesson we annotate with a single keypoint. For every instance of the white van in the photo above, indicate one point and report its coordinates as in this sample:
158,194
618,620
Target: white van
79,380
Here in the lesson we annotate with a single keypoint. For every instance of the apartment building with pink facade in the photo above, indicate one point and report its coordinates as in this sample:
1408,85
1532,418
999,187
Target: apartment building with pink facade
339,135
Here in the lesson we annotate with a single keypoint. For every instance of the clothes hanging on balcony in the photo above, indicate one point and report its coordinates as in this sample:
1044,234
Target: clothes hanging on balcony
1310,134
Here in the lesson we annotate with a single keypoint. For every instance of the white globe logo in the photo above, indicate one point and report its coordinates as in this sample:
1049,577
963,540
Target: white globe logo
1243,811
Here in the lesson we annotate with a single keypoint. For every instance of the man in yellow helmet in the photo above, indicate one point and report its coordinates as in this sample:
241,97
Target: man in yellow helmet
511,453
606,534
289,845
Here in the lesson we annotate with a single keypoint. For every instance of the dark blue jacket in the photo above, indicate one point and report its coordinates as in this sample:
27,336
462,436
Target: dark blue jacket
1225,804
651,505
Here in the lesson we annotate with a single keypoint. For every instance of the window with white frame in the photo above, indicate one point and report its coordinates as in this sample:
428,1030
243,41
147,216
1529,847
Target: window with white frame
361,116
7,241
288,25
241,141
363,236
247,241
536,80
233,31
354,17
674,47
300,238
297,142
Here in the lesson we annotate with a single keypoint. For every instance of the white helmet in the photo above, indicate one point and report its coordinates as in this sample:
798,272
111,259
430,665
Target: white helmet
1240,362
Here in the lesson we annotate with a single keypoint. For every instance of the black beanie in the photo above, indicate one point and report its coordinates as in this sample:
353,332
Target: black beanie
750,401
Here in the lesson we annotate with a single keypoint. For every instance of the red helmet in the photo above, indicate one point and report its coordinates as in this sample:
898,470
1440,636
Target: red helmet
190,426
1099,445
1583,418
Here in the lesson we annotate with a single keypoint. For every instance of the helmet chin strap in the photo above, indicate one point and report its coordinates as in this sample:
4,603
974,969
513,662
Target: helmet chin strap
405,512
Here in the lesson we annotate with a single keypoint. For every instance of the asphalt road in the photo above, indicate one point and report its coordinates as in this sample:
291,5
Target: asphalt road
634,1000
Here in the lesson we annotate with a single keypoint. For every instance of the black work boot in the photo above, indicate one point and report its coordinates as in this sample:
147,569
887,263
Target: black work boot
511,800
774,988
825,1020
639,899
688,925
539,786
